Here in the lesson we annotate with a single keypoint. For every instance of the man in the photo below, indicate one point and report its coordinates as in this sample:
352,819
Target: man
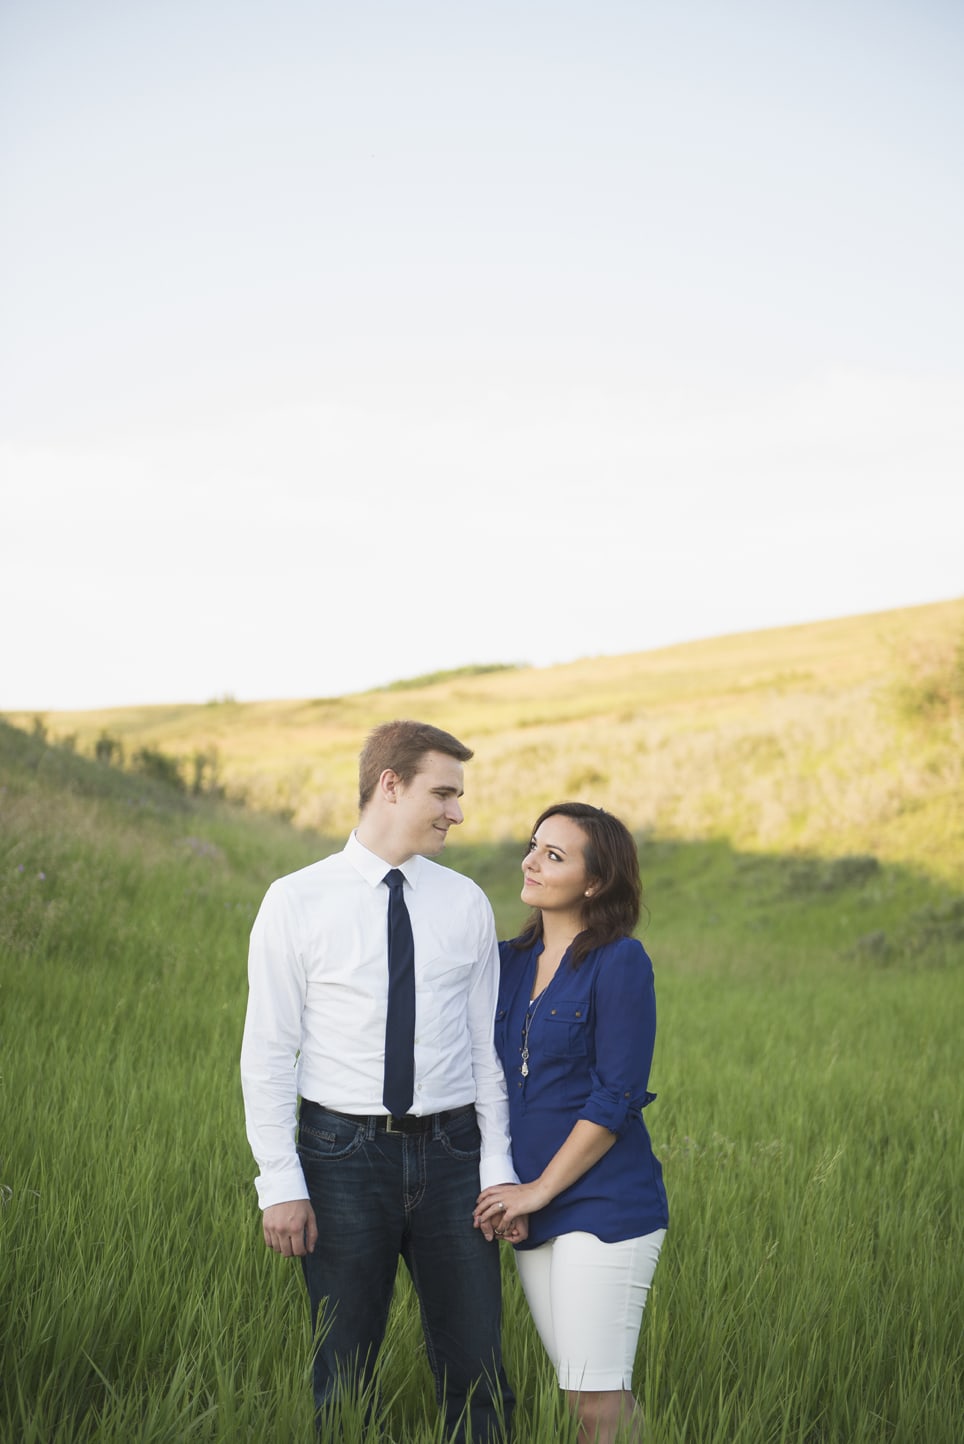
403,1110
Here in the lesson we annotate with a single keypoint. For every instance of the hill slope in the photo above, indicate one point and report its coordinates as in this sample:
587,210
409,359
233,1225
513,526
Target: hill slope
834,737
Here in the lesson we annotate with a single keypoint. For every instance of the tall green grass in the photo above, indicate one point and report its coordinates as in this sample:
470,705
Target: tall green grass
809,1120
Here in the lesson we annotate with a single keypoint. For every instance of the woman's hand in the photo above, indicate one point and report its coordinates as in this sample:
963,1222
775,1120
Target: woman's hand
503,1208
498,1208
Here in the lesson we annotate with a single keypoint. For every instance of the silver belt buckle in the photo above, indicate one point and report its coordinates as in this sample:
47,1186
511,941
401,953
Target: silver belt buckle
388,1124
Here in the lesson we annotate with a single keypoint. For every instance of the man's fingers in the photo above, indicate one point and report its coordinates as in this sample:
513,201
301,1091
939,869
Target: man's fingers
311,1231
290,1245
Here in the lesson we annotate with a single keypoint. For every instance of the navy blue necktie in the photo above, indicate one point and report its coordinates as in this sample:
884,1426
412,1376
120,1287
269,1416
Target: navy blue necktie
400,1024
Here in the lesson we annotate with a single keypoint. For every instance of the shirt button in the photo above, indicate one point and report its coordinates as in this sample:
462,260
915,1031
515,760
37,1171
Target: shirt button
627,1095
553,1012
578,1013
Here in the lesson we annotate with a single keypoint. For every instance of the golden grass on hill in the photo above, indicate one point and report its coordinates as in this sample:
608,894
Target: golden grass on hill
830,737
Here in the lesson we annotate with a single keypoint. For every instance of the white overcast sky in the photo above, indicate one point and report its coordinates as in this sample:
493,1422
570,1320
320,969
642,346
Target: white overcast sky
346,341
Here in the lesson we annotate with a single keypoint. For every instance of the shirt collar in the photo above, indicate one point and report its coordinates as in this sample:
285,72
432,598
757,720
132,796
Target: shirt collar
373,868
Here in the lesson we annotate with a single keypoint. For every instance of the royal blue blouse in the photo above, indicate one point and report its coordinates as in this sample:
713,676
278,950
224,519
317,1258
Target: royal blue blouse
590,1045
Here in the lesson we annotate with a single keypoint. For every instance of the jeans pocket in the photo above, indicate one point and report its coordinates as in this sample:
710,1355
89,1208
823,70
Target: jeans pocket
460,1137
327,1138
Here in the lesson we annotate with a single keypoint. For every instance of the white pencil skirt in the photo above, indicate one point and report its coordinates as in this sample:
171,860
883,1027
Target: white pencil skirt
587,1300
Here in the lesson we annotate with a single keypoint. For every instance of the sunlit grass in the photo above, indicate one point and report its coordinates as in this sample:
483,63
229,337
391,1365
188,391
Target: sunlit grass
809,1122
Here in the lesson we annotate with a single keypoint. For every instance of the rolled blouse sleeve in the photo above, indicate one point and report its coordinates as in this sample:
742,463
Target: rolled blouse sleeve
624,1009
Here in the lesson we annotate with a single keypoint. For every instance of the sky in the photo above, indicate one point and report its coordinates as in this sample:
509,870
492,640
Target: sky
341,343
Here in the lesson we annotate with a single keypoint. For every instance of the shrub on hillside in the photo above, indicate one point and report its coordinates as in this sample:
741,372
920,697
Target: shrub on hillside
151,762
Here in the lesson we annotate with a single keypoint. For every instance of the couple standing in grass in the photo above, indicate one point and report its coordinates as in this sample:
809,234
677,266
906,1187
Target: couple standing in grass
431,1063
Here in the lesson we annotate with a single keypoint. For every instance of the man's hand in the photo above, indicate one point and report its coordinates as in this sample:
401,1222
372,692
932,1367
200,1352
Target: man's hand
517,1231
490,1217
501,1209
290,1228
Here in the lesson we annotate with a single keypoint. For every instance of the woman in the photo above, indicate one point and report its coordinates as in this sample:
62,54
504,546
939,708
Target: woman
575,1028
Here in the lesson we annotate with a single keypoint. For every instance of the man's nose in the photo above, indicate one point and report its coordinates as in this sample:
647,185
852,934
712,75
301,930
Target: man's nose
454,812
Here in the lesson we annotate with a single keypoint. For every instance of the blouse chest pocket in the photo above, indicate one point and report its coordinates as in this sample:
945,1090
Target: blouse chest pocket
565,1030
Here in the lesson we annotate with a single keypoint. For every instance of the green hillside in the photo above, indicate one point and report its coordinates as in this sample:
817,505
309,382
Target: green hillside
833,737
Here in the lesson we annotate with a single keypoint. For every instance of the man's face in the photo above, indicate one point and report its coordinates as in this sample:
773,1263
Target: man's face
429,805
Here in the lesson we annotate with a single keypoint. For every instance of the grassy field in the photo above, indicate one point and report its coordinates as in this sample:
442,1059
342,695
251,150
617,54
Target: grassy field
809,1118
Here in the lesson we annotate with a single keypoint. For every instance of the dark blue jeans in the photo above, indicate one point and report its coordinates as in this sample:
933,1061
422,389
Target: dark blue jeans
379,1195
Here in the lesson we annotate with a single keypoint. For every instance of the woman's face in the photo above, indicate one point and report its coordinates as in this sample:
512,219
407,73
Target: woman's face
554,868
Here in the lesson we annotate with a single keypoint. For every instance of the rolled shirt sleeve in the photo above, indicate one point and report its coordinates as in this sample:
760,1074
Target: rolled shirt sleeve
625,1036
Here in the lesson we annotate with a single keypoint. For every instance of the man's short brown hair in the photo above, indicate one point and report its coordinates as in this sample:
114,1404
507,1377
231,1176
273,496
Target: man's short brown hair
401,745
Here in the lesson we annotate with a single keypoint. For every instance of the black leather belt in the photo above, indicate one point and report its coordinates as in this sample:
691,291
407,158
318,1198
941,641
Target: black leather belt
385,1123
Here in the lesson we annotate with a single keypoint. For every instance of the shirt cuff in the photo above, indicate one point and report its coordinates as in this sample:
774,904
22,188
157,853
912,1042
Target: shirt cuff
281,1187
497,1169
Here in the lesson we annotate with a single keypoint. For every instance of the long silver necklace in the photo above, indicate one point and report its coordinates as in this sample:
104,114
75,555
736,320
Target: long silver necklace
533,1006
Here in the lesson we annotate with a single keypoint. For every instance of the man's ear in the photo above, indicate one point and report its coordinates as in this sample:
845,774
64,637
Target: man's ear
389,784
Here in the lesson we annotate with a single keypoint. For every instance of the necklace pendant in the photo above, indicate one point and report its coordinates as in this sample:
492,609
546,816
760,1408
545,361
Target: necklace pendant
525,1070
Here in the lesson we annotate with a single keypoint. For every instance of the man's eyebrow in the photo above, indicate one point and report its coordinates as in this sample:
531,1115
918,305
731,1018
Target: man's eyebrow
449,791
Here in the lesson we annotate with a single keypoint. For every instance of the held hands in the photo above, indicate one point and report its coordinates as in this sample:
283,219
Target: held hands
511,1221
290,1228
515,1232
494,1227
504,1207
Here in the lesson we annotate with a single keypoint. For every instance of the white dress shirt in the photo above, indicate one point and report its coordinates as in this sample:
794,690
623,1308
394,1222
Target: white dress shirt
317,1003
